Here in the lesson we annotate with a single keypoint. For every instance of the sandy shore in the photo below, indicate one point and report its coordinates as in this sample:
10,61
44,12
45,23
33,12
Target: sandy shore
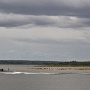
30,68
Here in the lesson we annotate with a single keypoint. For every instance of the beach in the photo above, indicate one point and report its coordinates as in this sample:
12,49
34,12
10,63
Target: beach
37,68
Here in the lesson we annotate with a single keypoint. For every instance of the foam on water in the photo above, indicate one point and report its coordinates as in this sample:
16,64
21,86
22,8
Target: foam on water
25,73
43,73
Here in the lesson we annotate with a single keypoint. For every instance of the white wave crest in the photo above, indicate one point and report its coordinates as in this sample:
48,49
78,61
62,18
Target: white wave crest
26,73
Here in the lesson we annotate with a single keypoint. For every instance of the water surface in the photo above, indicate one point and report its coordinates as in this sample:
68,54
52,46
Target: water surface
44,81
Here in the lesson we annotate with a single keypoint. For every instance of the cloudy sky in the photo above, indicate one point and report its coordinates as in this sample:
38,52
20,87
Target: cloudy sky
45,30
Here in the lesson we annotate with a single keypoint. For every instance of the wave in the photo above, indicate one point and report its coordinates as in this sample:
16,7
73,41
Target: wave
25,73
43,73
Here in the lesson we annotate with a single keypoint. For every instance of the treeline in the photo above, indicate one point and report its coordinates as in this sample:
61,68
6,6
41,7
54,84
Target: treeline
51,63
27,62
74,63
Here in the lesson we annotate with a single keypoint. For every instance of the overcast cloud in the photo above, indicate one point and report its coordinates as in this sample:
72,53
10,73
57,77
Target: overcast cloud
45,30
79,8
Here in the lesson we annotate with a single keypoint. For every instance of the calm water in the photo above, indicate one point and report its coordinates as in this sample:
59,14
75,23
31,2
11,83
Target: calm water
44,81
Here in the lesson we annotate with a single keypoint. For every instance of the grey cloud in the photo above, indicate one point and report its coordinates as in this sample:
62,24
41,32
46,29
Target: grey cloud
52,41
40,12
11,50
14,20
38,41
43,7
60,38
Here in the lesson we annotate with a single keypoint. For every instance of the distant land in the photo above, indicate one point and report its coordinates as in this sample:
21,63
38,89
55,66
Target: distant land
49,63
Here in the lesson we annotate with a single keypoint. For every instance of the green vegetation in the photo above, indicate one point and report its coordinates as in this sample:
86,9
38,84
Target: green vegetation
49,63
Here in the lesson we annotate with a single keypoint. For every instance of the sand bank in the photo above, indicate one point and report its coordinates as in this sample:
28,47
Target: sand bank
29,68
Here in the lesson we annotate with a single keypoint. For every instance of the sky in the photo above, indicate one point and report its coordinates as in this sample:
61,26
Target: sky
54,30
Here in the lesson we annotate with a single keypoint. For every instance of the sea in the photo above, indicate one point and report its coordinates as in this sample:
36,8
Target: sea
44,81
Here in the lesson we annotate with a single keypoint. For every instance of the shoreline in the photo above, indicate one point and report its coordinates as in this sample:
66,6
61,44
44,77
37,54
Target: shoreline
40,68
